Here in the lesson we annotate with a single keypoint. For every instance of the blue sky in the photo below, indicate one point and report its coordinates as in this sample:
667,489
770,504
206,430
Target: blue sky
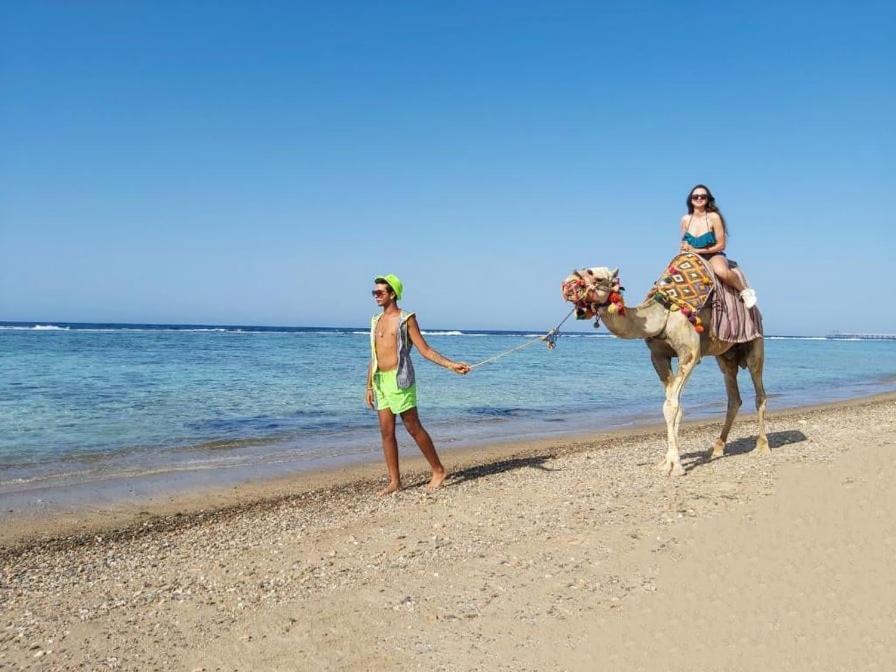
258,163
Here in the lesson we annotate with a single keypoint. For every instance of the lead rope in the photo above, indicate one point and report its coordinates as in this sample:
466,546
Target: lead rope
550,338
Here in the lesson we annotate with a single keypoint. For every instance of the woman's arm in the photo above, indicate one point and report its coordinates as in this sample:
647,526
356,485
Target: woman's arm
684,227
430,354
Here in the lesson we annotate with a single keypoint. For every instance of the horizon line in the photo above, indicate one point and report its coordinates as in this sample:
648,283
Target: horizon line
57,323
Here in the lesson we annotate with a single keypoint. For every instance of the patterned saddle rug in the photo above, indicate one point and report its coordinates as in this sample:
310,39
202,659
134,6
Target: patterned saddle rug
689,283
686,286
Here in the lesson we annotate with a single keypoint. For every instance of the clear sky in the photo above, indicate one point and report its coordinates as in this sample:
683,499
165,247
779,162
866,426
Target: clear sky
258,163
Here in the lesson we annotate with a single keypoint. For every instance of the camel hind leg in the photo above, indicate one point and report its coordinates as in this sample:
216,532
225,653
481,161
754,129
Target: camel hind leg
728,364
755,360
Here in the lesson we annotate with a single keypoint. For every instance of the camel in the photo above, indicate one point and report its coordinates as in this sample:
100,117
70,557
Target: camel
669,334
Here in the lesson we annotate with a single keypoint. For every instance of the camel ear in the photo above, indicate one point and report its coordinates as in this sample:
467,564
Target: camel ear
614,273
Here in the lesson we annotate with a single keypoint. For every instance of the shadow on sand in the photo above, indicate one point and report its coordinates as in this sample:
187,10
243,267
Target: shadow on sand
689,461
696,459
472,473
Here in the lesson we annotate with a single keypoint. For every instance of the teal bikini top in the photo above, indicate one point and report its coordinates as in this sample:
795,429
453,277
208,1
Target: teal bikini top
704,240
707,239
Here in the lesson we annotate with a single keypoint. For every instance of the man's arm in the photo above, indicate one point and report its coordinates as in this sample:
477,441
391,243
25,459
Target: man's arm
430,354
368,396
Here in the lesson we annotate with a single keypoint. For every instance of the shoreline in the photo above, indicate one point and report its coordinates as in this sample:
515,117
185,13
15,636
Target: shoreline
124,508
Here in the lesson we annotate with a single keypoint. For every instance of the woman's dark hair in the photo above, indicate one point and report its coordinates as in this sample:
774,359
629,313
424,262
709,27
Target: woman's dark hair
710,204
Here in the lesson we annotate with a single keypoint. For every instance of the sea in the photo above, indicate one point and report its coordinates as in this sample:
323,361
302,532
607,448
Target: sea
89,403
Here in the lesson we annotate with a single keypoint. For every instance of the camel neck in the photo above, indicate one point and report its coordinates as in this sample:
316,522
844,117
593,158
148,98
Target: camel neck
644,321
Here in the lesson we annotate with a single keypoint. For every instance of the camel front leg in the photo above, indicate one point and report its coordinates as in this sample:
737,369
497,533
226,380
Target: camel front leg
672,412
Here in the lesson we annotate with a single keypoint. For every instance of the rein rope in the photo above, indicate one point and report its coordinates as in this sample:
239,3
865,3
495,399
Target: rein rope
549,338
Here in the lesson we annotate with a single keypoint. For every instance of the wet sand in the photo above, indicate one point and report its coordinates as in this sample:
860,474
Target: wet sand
567,554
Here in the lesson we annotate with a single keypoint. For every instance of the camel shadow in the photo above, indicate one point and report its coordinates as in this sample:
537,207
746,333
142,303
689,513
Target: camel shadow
481,470
699,458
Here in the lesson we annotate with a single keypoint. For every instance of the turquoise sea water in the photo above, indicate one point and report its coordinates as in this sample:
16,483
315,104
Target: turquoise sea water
83,401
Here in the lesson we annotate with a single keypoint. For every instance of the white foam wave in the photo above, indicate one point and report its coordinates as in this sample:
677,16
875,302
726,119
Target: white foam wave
443,333
799,338
36,327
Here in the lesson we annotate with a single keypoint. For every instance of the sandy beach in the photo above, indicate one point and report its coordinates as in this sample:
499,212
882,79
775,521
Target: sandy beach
558,555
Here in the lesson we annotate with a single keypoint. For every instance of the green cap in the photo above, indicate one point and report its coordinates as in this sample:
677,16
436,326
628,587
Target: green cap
393,282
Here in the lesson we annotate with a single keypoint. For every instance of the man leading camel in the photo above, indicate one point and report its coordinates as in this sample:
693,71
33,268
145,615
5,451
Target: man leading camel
391,381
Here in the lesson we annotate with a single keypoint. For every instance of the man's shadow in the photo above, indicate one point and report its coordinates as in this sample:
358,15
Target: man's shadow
478,471
698,458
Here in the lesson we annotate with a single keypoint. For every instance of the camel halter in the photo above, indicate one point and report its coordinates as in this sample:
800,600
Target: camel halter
581,288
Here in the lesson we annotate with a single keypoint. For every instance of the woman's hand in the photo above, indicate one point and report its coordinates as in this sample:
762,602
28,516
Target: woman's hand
369,397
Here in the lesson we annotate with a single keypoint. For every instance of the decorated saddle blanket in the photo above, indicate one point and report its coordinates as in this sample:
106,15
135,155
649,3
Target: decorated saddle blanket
732,321
688,284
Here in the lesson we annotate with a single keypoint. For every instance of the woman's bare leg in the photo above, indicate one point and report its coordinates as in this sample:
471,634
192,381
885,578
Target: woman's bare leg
720,267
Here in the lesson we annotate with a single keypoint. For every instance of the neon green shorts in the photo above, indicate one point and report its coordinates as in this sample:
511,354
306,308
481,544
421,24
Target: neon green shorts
389,395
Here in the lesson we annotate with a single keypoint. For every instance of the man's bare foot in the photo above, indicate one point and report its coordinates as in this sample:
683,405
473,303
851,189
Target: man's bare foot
390,489
436,482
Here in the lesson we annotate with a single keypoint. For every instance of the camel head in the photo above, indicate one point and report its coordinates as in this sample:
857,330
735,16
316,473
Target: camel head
590,288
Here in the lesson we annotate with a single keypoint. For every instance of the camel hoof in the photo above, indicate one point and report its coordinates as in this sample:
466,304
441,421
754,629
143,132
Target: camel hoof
717,450
671,468
762,446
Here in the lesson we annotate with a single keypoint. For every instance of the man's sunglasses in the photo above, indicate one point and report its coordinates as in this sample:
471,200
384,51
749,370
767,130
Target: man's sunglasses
379,292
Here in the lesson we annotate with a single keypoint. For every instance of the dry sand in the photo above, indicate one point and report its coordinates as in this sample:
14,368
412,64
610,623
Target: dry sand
571,555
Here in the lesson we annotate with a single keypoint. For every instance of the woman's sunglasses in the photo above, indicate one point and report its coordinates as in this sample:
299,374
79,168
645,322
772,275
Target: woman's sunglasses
699,197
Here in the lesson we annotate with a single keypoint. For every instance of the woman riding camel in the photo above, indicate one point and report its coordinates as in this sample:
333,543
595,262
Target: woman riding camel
704,232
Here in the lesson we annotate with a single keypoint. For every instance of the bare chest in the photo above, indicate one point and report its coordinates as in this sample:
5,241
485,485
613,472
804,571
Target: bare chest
386,333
